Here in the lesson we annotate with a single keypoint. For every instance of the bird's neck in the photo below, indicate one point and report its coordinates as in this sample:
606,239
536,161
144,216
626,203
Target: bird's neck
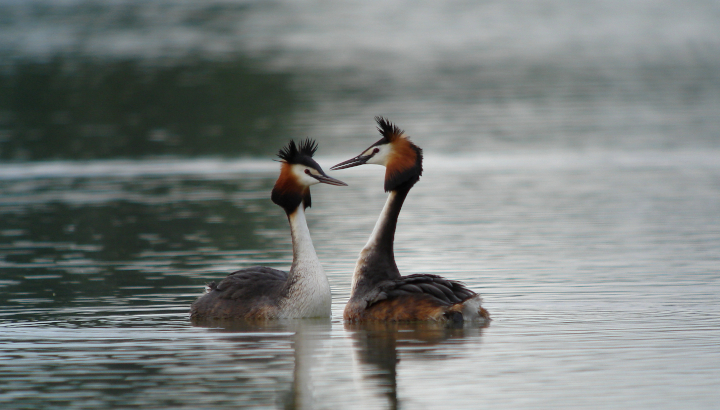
383,235
377,259
304,255
307,290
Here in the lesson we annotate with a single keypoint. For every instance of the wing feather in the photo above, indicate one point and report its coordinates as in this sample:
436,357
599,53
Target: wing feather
443,291
244,293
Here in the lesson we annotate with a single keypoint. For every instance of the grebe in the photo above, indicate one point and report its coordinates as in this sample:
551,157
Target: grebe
378,291
265,293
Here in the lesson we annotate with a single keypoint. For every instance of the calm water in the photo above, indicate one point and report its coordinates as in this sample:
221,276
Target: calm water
571,177
601,272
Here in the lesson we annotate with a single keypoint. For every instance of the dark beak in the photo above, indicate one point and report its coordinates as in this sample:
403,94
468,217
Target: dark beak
352,162
328,180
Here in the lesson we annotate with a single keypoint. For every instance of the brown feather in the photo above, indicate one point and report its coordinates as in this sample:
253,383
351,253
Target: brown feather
287,182
404,308
402,157
287,192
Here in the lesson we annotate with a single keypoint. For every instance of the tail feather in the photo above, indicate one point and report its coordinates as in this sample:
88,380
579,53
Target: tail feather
471,309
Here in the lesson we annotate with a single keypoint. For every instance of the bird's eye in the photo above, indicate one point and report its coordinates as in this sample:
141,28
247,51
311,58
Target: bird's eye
376,150
307,171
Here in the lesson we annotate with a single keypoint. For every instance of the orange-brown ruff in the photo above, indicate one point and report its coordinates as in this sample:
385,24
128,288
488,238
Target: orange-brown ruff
287,184
402,156
265,293
378,291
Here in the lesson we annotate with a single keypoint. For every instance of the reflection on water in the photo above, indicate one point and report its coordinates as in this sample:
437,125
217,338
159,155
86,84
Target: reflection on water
293,365
306,337
379,345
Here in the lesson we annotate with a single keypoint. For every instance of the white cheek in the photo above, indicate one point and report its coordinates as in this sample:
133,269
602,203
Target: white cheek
308,180
381,158
302,177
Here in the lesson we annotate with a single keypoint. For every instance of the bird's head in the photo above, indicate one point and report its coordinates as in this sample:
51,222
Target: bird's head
298,171
401,158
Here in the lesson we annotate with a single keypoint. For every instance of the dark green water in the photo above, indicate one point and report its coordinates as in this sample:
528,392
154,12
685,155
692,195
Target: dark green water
79,108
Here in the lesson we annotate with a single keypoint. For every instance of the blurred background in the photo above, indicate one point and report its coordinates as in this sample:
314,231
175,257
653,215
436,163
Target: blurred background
571,176
128,79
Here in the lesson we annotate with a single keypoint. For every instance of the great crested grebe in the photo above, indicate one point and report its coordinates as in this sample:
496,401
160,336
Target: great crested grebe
265,293
378,291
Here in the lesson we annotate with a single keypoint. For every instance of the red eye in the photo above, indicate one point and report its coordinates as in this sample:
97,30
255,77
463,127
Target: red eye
307,171
376,150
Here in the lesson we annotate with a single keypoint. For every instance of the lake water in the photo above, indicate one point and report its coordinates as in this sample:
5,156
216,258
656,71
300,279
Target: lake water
571,177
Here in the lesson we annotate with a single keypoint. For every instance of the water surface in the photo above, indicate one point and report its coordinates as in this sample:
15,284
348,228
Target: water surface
600,272
571,178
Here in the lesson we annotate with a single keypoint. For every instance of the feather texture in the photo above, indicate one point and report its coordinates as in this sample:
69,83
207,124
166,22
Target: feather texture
247,293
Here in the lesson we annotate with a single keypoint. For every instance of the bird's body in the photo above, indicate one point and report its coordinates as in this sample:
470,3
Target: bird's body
378,290
265,293
248,293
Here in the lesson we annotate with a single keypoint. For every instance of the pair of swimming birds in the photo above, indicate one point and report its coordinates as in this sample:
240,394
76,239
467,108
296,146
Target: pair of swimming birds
379,292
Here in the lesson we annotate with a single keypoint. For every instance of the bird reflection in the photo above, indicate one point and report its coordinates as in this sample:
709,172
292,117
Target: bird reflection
307,336
377,345
324,374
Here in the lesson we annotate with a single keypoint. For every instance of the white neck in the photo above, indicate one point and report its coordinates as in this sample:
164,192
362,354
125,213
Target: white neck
308,294
381,223
303,249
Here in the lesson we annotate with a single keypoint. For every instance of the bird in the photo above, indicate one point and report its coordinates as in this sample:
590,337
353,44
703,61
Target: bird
378,291
265,293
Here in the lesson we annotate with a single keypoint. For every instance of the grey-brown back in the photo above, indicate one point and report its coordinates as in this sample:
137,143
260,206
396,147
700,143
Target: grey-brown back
446,292
248,293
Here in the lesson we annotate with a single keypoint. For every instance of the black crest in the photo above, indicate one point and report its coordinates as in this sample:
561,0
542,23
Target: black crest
292,154
387,129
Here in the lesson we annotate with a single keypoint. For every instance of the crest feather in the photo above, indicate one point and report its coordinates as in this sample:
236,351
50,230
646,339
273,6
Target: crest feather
387,129
292,154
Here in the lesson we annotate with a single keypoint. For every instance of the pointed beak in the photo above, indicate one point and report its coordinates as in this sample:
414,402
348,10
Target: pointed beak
328,180
352,162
